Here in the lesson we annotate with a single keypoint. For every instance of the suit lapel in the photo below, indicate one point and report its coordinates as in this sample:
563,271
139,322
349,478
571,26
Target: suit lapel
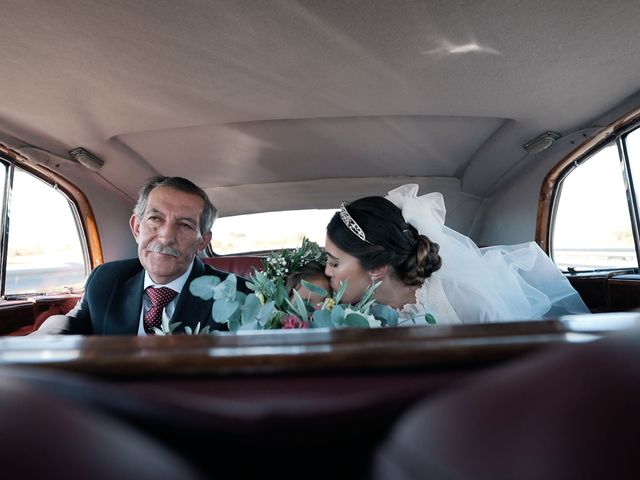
190,309
125,306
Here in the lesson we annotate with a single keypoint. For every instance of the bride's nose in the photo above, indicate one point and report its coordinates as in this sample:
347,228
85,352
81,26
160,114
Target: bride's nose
327,270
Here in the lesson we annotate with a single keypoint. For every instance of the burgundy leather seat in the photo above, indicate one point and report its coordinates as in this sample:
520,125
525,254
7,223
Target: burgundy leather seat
243,265
289,427
568,414
44,437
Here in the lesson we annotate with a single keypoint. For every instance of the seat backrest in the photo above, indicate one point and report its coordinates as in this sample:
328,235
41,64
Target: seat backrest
243,265
45,437
569,414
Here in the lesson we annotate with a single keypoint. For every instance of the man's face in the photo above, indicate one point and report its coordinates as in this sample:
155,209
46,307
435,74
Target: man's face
168,234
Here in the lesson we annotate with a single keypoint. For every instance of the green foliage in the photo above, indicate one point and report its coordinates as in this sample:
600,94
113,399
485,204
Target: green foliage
269,306
281,264
314,288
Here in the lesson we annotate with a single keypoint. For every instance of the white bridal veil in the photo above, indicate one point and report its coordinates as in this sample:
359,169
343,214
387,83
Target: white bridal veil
505,282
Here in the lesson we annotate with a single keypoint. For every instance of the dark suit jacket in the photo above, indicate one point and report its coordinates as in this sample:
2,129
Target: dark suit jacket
112,302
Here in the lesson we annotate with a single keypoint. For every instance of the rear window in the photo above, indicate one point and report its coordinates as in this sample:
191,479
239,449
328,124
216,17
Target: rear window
268,231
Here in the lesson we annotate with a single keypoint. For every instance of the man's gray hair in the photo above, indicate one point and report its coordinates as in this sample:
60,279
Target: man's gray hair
209,211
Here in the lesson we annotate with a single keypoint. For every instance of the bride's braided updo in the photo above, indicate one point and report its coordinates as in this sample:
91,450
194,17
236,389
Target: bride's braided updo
420,266
388,239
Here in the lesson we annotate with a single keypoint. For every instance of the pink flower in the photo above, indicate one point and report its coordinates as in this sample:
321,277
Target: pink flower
294,322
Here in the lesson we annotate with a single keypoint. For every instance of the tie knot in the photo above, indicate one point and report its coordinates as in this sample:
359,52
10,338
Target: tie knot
161,296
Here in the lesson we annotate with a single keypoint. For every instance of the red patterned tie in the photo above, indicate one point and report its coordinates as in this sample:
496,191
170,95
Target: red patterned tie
160,298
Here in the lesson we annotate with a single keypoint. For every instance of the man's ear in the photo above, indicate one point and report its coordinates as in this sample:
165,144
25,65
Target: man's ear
206,239
135,226
378,273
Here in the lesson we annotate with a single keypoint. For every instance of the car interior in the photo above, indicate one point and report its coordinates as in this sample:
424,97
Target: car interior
524,115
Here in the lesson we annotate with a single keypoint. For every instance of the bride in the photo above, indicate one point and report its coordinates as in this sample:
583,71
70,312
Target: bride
433,274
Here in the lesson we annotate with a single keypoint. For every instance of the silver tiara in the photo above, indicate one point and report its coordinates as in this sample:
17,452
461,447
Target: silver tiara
351,223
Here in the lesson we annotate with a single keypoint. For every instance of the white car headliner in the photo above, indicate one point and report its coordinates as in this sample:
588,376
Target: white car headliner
263,93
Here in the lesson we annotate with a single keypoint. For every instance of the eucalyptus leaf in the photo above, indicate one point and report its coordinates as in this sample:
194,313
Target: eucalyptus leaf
322,319
250,324
223,309
365,307
367,296
388,315
203,286
300,306
356,320
343,287
337,316
251,309
430,319
280,293
234,324
226,289
265,312
314,288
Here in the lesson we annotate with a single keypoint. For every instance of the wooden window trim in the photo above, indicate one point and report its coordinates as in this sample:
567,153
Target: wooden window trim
75,195
549,187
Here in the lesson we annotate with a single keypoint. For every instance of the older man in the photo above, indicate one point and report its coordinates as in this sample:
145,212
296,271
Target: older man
171,223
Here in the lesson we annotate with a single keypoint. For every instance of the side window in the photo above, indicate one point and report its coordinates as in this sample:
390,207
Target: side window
632,142
592,228
45,248
596,218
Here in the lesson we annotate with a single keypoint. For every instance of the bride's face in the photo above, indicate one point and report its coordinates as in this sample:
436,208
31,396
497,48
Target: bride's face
344,267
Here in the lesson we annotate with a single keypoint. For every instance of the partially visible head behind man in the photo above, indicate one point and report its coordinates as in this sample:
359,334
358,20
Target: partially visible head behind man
312,272
209,211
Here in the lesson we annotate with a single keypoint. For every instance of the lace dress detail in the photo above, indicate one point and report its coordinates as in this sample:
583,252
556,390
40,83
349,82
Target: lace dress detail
430,299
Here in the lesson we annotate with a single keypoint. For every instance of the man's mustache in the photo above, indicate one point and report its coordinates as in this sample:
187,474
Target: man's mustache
164,249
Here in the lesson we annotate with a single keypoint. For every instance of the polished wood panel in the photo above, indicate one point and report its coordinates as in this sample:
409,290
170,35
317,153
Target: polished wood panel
624,292
21,317
612,291
295,351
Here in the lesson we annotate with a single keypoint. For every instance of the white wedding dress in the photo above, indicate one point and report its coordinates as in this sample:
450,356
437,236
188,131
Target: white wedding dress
479,285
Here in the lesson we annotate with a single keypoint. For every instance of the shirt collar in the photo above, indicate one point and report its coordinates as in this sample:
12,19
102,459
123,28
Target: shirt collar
176,284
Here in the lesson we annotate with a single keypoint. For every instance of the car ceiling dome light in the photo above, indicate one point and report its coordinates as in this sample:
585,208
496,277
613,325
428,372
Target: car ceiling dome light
541,142
86,159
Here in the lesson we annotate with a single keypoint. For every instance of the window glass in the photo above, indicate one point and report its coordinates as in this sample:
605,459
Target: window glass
592,227
45,253
4,168
269,231
633,151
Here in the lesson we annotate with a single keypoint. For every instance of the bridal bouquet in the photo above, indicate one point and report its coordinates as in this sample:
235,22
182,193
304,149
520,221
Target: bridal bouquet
271,306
